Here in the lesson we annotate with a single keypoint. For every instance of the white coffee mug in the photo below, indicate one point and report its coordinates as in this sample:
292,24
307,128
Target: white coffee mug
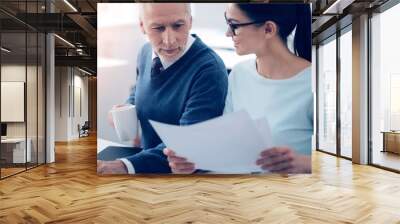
125,122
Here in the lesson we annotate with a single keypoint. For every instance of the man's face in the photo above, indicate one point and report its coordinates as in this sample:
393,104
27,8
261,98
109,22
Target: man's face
167,26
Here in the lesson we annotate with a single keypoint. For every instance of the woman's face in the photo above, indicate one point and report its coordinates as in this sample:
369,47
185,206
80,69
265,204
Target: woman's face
246,39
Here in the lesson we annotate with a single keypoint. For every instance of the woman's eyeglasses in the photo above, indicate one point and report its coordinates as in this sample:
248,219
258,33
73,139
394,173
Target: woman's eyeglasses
234,26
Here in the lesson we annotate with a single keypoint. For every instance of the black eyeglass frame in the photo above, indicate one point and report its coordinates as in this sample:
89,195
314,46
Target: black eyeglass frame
234,26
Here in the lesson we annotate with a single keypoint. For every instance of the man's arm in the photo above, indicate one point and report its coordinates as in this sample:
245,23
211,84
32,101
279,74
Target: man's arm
207,96
206,101
150,161
132,94
131,97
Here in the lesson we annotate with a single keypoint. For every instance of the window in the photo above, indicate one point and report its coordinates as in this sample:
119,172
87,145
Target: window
346,94
327,96
385,89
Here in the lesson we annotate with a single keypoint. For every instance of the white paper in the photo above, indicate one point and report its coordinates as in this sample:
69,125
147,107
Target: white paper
125,122
228,144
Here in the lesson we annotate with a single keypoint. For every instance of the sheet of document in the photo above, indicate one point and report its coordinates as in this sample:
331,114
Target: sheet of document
228,144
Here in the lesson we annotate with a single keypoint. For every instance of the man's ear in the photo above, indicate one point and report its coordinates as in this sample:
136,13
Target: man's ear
142,26
190,23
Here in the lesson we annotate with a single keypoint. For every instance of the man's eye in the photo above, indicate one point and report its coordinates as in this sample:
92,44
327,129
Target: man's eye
177,26
159,28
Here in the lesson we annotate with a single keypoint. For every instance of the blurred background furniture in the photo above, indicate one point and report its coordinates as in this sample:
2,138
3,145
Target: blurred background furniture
391,141
84,130
13,151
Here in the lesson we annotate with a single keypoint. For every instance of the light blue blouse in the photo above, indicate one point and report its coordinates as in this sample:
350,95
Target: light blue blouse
287,104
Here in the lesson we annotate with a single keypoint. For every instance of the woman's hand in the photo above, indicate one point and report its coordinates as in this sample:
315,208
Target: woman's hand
179,165
283,159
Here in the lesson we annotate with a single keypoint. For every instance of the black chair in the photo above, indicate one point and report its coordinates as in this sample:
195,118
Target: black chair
84,130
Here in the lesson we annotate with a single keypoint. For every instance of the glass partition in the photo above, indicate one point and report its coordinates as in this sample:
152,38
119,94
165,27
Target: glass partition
22,77
41,111
346,93
385,89
327,96
13,104
31,100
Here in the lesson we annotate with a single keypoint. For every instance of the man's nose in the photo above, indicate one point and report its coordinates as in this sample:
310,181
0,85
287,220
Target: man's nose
169,38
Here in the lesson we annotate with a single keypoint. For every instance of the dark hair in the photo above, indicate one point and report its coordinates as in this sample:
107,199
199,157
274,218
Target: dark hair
287,17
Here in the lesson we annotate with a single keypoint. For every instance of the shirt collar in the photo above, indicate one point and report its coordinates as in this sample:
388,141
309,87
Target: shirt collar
166,64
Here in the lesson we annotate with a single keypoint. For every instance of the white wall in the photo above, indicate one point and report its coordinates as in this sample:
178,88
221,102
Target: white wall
69,79
33,126
61,103
15,72
119,39
80,82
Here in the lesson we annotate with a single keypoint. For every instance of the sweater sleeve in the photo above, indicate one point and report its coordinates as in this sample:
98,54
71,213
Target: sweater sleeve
131,97
207,96
206,100
150,160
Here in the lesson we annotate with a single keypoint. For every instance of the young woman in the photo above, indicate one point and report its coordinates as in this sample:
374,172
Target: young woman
277,84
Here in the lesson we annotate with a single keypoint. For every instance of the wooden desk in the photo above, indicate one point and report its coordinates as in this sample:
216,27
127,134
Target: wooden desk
391,141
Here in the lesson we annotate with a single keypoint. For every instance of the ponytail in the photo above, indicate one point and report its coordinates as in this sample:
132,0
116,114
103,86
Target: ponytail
287,17
302,38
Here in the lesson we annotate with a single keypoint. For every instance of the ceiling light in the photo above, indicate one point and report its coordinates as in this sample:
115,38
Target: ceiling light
70,5
5,50
337,7
84,71
79,51
64,40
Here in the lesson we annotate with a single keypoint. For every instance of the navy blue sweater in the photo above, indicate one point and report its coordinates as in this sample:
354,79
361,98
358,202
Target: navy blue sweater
191,90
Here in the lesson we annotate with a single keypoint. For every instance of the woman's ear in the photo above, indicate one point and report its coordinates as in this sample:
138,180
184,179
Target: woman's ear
270,28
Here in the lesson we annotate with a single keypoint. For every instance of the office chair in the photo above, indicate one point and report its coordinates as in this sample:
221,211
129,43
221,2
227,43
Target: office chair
84,130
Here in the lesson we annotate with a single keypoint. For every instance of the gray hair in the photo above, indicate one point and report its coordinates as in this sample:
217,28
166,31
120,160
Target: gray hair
141,8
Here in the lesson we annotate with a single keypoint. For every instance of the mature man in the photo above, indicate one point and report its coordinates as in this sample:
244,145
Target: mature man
180,81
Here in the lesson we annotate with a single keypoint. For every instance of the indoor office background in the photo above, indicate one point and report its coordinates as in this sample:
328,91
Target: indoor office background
24,59
356,78
22,87
334,61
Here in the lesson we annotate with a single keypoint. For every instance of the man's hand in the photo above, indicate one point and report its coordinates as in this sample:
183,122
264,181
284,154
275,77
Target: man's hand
136,141
111,167
179,165
284,160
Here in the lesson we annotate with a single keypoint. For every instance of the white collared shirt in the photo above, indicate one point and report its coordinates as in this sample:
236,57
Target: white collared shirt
165,63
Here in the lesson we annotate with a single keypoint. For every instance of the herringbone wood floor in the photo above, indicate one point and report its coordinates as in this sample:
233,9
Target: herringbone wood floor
69,191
